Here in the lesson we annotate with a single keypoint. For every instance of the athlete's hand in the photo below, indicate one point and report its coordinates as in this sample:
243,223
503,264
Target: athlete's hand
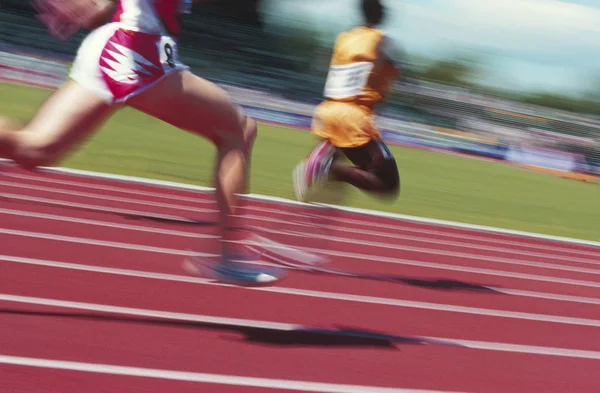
63,18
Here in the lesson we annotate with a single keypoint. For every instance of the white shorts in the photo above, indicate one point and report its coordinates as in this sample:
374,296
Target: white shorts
116,63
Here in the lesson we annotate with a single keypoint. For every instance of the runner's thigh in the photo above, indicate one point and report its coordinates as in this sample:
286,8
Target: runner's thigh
191,103
373,156
67,116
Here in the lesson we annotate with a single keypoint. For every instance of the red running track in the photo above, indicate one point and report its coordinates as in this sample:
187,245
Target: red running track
95,298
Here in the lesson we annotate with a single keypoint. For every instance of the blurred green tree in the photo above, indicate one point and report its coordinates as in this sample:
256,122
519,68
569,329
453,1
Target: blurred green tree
457,71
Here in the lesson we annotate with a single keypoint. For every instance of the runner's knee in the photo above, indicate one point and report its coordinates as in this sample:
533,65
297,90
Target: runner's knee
246,132
250,131
241,137
392,183
31,158
391,178
31,151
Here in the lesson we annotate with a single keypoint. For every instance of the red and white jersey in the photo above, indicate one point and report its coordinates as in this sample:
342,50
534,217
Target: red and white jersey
152,16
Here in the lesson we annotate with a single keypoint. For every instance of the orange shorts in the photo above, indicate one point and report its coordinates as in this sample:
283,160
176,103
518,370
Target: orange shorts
344,125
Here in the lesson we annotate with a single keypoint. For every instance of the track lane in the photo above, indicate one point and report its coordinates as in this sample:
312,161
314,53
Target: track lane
412,287
192,348
385,250
412,320
414,279
347,218
299,226
24,379
430,366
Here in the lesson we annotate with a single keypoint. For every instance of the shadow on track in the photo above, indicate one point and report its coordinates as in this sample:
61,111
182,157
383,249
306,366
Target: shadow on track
297,337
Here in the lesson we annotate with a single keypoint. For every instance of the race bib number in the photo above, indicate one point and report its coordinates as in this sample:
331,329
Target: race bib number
347,81
169,54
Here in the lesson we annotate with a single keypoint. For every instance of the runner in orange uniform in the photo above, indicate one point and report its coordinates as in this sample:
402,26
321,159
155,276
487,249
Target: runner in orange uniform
363,68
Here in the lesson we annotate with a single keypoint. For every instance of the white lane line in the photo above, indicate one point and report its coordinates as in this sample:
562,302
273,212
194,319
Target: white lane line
219,379
528,349
106,224
199,318
98,208
477,257
101,243
549,296
350,230
510,233
377,245
398,237
106,198
120,190
281,290
397,229
362,257
322,227
505,233
465,269
330,295
367,213
238,322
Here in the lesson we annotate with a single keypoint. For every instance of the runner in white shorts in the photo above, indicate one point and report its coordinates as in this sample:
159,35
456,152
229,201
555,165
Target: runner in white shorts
132,59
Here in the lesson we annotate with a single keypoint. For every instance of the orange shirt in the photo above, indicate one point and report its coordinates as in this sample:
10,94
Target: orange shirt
360,72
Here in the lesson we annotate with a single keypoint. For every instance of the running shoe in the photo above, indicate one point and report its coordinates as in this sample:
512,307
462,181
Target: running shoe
313,170
231,270
300,182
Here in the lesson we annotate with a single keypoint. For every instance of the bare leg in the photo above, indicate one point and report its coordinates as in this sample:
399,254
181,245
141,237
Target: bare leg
67,117
375,169
232,172
201,107
8,129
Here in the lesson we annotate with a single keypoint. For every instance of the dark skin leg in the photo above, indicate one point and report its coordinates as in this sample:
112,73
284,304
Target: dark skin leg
374,169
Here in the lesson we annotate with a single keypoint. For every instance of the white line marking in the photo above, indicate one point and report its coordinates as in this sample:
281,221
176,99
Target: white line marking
549,296
263,218
370,244
364,257
463,255
466,269
148,313
107,198
493,346
336,296
98,208
102,243
474,227
281,290
299,234
398,230
199,199
331,238
106,224
139,180
399,236
220,379
515,348
204,192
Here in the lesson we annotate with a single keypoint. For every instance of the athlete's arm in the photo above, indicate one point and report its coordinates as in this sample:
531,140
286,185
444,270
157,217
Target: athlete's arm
65,17
104,9
391,52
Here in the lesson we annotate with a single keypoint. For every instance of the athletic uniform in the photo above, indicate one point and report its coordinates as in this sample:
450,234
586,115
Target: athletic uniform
363,68
133,52
362,71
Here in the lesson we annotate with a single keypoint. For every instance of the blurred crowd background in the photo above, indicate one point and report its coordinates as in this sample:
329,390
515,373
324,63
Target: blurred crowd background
435,104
